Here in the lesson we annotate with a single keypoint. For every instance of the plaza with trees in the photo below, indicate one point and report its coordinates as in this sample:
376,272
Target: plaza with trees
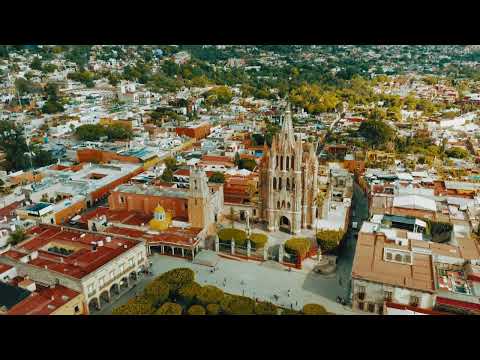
176,293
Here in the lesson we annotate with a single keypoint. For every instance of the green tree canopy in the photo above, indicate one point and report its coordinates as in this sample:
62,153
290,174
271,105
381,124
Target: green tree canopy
169,308
248,164
376,132
300,246
177,278
209,294
196,310
457,153
328,240
17,236
314,309
217,177
157,292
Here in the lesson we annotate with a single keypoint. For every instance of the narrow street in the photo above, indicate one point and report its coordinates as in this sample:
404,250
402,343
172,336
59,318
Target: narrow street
347,250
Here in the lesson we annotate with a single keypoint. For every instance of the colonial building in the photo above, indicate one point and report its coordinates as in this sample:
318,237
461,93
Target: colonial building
199,205
289,181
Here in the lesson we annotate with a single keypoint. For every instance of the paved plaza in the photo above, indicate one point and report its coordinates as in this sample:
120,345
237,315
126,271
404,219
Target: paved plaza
253,280
265,280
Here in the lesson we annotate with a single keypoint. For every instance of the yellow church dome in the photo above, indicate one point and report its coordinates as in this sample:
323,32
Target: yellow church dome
161,219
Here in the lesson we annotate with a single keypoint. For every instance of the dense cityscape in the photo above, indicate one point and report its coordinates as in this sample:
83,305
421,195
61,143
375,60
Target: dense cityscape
239,180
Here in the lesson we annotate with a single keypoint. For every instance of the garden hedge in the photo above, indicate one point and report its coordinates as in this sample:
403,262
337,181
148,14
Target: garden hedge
266,308
157,292
176,278
209,294
300,246
314,309
237,305
258,240
189,292
196,310
238,235
213,309
169,309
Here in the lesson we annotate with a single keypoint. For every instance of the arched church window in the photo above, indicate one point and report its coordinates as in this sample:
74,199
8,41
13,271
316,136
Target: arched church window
288,205
274,183
283,204
288,184
278,204
287,163
276,162
281,162
279,183
293,162
293,184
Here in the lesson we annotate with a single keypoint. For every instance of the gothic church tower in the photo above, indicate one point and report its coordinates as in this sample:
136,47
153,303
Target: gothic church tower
289,176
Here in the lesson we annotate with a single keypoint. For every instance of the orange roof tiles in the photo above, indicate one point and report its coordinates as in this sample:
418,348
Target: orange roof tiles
44,301
83,260
4,267
170,236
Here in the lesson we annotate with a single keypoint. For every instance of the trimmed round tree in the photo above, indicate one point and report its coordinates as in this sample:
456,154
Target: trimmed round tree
300,246
134,308
237,305
238,235
328,240
157,292
188,292
314,309
169,308
196,310
213,309
177,278
265,308
258,240
209,294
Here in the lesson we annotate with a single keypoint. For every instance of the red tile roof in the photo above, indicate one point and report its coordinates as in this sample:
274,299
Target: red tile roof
413,308
4,267
171,236
8,210
83,260
44,301
458,304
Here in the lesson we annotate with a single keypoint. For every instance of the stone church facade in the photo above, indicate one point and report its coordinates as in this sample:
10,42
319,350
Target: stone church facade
289,181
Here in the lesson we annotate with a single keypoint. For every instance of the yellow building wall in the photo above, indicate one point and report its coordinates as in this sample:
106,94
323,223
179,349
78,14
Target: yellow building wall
69,212
150,163
69,307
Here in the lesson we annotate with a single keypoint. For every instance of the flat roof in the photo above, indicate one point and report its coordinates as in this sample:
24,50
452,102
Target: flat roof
11,295
153,190
369,264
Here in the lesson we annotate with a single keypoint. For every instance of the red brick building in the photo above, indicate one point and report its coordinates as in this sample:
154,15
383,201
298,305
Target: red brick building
195,131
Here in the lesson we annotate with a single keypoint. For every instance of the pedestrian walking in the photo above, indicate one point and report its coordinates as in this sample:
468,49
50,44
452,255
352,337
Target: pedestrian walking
291,306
